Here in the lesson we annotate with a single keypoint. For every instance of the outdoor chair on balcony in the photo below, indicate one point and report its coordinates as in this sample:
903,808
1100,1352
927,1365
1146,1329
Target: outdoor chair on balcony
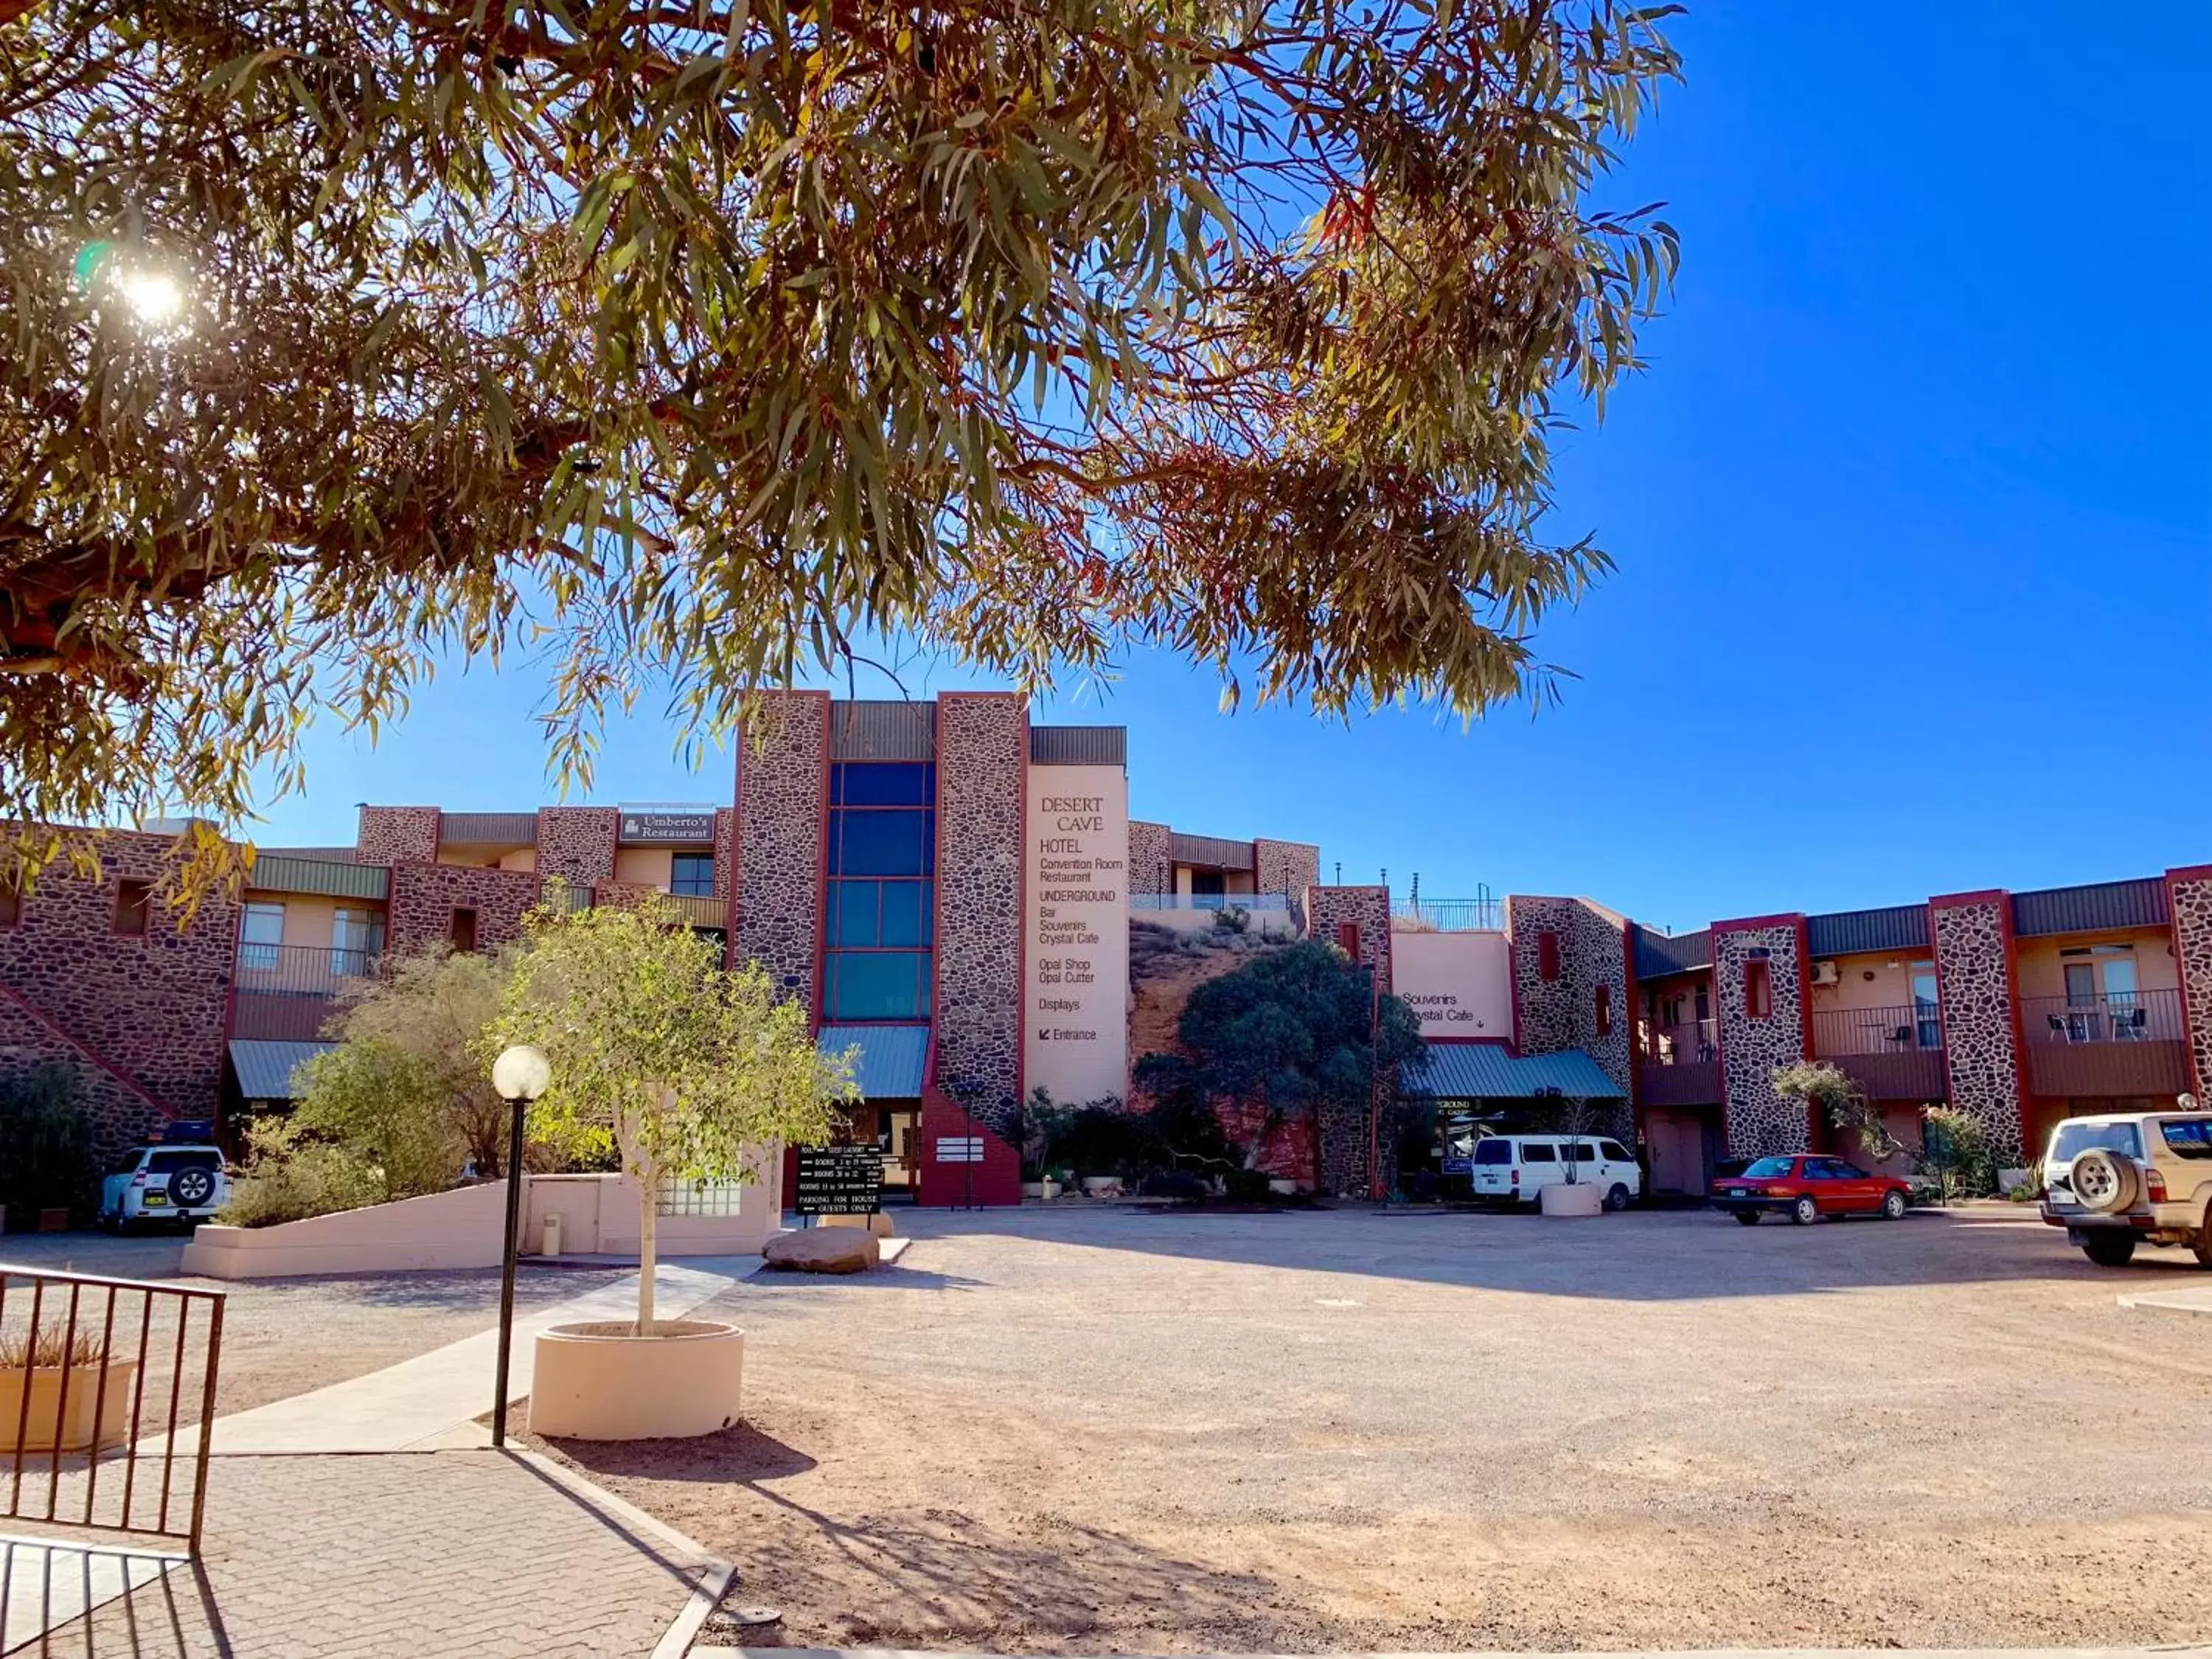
1901,1037
2060,1031
2128,1023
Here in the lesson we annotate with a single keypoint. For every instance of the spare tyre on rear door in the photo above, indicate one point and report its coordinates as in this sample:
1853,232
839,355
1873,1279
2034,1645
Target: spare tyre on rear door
2105,1181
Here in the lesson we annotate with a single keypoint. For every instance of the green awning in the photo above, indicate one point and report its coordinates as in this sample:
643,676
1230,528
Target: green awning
893,1061
1485,1071
265,1068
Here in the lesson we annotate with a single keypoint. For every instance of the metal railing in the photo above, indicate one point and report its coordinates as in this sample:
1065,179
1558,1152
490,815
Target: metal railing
1840,1031
1209,901
303,970
2133,1016
1693,1042
1448,916
85,1365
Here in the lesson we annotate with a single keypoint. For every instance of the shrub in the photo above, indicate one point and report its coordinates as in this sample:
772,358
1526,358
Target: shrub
1955,1149
289,1177
1247,1186
47,1140
1232,918
1173,1183
1101,1139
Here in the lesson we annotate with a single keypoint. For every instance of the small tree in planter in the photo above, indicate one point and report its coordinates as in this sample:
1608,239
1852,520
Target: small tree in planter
686,1070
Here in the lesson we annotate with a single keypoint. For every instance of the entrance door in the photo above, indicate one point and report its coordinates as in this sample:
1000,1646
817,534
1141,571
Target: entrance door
900,1137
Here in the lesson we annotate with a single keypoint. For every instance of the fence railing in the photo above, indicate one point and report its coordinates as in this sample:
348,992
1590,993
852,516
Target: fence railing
2134,1017
107,1389
1691,1042
1448,916
1840,1031
1209,901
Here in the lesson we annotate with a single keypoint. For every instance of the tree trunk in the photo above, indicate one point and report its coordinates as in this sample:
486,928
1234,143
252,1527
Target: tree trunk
648,1216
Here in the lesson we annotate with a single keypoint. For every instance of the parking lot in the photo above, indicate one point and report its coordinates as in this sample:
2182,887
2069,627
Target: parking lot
1110,1430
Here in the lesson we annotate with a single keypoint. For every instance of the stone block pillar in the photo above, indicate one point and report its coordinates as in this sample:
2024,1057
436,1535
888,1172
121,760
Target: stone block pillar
782,804
1587,1003
1359,918
2189,903
982,780
1979,992
1288,867
396,835
577,843
1151,858
1760,1123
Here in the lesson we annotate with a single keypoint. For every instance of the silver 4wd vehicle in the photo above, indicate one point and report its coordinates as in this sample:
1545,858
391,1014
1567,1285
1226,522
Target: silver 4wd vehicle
169,1182
2129,1179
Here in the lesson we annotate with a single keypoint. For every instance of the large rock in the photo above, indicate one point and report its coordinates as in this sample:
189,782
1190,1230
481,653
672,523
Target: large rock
825,1251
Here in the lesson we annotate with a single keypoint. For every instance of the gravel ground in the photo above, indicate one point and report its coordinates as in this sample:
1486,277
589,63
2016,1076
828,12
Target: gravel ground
283,1337
1110,1432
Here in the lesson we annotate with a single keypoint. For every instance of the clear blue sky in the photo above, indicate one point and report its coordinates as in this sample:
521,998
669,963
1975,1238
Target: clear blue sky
1913,513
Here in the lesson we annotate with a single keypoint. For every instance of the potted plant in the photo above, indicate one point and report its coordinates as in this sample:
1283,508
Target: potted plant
31,1362
687,1071
1570,1195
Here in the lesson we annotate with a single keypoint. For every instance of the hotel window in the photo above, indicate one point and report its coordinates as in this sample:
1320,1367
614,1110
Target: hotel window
1548,956
132,901
461,933
1757,988
691,875
1604,1010
356,940
881,925
260,935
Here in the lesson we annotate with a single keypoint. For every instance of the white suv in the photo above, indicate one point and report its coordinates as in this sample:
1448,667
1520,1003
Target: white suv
1516,1168
2128,1179
183,1182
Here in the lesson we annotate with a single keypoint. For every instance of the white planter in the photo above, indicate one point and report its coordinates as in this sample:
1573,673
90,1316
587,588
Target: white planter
2008,1179
45,1421
1103,1186
1033,1189
1578,1198
605,1382
1281,1187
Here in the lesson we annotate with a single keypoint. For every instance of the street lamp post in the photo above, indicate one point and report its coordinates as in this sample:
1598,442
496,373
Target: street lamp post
521,1074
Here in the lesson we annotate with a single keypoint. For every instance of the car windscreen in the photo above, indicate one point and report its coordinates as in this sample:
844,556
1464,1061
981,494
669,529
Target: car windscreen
2075,1138
169,1162
2187,1137
1493,1151
1766,1168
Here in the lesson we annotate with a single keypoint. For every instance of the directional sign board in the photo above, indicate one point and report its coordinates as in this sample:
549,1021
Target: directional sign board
839,1180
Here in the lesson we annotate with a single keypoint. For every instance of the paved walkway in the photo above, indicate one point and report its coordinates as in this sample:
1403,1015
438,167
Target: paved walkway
2193,1301
371,1518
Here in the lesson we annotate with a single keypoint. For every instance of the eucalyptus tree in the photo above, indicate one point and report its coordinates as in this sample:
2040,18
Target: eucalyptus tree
691,341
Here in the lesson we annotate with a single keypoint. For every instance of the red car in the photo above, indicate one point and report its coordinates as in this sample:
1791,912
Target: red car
1805,1187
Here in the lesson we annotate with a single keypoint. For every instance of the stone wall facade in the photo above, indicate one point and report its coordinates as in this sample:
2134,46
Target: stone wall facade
1344,1135
1982,1061
123,1114
577,843
1553,1015
726,857
396,835
2189,902
1151,858
150,1007
983,763
419,914
1288,867
783,769
1760,1123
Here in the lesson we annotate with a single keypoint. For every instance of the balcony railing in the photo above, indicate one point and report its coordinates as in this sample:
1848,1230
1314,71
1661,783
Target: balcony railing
1838,1032
1448,916
1693,1042
1209,901
2135,1016
285,991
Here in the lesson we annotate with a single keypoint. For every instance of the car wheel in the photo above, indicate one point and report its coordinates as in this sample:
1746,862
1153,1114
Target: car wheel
1616,1197
2203,1244
1893,1206
1805,1211
2105,1181
1746,1218
2110,1249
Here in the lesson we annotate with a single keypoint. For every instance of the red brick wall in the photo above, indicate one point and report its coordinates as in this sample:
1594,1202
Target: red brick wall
396,835
424,897
151,1007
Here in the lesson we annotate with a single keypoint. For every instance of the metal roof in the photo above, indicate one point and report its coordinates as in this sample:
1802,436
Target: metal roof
1216,850
1898,927
883,729
288,872
488,828
893,1059
2086,909
1672,953
1078,745
1484,1071
265,1068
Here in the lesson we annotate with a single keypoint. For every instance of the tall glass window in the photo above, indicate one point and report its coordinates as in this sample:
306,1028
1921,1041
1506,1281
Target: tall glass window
691,875
882,890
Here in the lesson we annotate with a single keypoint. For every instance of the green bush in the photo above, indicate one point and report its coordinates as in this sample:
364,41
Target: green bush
1955,1149
1247,1186
46,1136
289,1177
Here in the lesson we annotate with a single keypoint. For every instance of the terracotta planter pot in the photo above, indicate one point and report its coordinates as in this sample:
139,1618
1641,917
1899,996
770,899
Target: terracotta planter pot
1581,1198
72,1423
606,1383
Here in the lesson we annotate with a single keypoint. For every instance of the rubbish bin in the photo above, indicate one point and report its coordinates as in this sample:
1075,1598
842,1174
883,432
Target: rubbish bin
549,1239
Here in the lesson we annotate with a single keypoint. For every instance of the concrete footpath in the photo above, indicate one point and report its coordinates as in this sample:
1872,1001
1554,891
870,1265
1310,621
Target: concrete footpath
2193,1301
372,1518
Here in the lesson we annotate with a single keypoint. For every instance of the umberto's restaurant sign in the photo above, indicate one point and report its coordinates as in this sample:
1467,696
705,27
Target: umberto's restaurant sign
1075,1020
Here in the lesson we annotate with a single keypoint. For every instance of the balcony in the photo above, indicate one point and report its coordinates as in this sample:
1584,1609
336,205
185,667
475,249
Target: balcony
1252,902
1680,1066
1474,916
285,991
2106,1046
712,914
1893,1054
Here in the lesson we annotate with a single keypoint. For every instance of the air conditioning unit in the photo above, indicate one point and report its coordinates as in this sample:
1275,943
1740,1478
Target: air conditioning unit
1827,973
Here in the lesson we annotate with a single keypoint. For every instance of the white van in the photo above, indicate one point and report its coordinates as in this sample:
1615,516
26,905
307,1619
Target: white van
1514,1169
